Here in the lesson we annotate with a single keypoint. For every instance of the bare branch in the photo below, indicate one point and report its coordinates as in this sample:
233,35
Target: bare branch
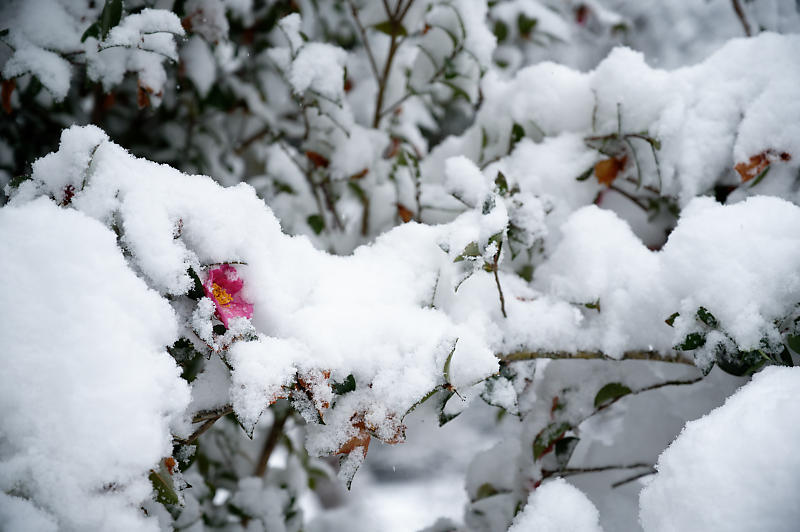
742,18
594,355
363,34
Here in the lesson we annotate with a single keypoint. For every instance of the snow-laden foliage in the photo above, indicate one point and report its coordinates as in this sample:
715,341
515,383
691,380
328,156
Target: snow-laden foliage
412,205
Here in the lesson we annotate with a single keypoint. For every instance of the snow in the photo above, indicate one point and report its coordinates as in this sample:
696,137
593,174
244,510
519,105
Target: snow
200,64
736,468
506,251
89,394
320,68
41,30
362,314
557,506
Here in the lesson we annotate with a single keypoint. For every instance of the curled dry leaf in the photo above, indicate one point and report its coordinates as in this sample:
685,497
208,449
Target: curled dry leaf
143,93
319,161
758,163
169,463
404,213
361,439
316,385
607,170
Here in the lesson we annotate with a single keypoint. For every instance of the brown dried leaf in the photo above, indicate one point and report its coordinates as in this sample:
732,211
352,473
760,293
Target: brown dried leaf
404,213
756,165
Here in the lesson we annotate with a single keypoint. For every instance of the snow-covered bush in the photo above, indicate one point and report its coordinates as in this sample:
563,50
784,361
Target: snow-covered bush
413,206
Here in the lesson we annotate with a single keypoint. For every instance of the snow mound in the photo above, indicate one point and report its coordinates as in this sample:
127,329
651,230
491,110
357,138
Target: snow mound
737,468
87,390
557,507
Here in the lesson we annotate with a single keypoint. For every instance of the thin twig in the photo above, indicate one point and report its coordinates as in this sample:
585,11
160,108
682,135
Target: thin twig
647,389
629,196
637,476
497,280
367,47
387,68
582,470
215,413
272,440
742,18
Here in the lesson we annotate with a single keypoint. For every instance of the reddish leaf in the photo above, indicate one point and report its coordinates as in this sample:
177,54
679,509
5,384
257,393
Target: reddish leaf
317,160
170,464
7,91
360,174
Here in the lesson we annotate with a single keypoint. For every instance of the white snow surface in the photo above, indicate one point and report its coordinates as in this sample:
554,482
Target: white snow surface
557,506
88,393
735,469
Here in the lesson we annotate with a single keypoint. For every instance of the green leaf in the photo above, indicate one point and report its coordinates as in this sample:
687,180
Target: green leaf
564,449
443,398
761,176
110,16
187,357
692,341
786,358
671,320
471,250
91,31
196,292
164,489
525,24
585,175
739,363
488,204
517,134
594,305
485,490
501,183
18,180
526,272
496,238
347,385
706,317
500,30
547,437
281,187
390,28
446,370
459,92
219,329
316,223
793,341
610,392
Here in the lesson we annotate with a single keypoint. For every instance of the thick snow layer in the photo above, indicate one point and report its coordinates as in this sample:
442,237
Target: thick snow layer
737,468
367,314
707,117
557,506
87,390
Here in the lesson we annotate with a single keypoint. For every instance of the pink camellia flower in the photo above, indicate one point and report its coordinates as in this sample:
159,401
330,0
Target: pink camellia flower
223,286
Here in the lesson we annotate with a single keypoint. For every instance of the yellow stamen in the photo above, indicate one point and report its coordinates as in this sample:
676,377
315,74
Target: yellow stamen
221,295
